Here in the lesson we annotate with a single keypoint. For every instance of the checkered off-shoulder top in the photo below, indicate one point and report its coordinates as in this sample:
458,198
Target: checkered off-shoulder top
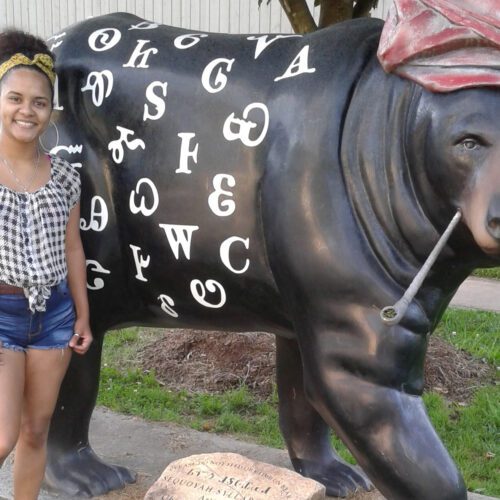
33,232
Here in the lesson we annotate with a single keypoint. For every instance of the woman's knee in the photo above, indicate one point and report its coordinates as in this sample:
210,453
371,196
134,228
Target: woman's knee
34,432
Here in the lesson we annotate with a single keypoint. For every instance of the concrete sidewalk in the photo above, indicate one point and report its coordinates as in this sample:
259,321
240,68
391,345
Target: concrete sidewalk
149,447
478,293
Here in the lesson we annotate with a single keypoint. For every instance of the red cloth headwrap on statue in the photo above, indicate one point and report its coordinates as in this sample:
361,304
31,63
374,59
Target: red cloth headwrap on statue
443,45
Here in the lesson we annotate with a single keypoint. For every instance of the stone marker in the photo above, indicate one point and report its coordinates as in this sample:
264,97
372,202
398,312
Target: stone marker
229,476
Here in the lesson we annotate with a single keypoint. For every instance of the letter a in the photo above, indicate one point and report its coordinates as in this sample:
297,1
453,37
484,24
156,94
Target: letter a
299,65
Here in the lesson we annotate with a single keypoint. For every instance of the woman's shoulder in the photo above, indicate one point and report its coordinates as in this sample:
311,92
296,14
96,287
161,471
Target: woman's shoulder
67,178
62,170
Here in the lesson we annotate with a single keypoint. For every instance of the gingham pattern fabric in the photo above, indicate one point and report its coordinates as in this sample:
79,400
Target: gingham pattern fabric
33,231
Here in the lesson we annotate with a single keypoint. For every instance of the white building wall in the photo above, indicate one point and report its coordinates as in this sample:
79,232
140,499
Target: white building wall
45,17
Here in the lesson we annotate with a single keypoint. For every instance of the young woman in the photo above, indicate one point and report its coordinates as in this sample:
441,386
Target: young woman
43,297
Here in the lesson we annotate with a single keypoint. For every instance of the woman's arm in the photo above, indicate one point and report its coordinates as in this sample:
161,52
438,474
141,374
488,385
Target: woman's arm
77,280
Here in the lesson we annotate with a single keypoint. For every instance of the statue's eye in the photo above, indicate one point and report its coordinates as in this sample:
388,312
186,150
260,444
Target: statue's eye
470,143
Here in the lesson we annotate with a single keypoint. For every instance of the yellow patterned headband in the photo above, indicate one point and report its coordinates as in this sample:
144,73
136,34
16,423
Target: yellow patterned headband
41,61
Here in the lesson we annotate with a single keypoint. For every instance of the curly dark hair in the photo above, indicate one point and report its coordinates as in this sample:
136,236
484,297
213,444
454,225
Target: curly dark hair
13,41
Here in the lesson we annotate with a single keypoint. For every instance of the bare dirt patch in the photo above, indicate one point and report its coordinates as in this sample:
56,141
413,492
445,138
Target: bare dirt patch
201,361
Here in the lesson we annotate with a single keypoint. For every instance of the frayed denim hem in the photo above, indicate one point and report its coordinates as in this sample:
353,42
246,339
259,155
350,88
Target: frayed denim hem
12,347
48,347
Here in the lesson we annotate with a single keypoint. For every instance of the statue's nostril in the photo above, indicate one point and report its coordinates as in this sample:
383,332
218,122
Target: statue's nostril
494,227
493,217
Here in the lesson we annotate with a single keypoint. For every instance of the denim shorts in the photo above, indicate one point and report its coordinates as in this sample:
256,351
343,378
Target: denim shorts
20,329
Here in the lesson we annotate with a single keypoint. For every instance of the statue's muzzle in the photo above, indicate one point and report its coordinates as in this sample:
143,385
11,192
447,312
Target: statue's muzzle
493,217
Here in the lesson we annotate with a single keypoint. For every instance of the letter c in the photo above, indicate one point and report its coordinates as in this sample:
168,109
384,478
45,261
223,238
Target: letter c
224,253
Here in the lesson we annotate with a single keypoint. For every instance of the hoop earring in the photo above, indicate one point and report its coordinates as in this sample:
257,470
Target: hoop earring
47,150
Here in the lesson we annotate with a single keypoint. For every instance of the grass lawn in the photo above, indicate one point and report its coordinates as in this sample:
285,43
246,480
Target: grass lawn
470,433
492,273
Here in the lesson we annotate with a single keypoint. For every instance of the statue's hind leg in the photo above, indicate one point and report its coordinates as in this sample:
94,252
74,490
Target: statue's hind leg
306,434
73,469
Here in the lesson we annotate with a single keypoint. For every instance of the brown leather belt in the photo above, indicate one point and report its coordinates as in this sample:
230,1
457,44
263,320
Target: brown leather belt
10,290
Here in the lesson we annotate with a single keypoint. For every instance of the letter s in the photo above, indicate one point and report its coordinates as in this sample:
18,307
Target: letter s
156,100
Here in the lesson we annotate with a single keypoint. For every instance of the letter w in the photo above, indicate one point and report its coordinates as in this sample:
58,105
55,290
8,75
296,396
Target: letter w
179,236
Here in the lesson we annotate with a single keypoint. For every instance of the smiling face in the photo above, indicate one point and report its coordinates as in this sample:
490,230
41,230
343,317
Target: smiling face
25,105
465,158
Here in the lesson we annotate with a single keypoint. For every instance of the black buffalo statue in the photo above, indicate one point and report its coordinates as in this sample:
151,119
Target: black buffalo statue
277,183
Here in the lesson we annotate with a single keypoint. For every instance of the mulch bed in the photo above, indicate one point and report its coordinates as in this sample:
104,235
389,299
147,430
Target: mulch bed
201,361
204,361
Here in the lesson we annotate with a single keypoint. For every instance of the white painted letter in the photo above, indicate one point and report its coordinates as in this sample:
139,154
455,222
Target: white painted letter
225,207
192,41
199,291
58,42
186,153
263,42
117,145
166,305
134,208
244,126
108,37
156,100
179,236
224,253
299,65
101,85
96,267
144,25
71,149
56,105
96,213
140,262
220,80
138,52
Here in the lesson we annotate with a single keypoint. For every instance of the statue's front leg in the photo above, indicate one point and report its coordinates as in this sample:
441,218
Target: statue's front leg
73,468
364,380
307,436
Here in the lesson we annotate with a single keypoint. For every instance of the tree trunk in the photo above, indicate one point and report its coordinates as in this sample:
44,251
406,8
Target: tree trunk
363,7
334,11
299,15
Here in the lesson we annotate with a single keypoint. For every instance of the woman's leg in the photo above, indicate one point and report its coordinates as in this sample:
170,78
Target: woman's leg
11,398
45,369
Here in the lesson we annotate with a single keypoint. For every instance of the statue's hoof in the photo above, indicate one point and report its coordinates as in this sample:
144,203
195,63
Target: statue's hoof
81,473
339,478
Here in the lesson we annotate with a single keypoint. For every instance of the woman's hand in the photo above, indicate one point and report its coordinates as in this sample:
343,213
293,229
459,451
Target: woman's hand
82,338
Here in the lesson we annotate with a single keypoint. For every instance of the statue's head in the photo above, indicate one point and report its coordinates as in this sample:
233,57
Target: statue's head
452,49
